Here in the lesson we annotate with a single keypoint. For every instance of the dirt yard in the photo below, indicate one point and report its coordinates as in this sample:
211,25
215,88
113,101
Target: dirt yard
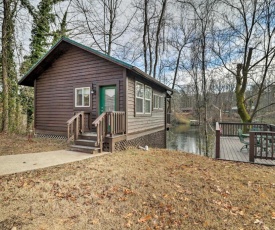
18,144
157,189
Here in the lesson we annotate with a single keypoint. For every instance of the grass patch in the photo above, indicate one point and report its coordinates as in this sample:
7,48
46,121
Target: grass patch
18,144
156,189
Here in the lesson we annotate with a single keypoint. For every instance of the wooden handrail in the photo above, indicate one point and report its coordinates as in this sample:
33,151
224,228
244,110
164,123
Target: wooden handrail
73,128
98,119
74,117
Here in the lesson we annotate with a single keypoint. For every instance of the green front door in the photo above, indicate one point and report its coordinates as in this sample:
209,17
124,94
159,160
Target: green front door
107,99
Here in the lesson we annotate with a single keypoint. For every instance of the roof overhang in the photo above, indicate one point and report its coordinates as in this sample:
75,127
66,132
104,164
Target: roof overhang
45,62
61,47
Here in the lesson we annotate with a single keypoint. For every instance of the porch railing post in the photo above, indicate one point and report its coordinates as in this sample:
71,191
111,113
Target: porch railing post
218,135
251,146
82,122
76,128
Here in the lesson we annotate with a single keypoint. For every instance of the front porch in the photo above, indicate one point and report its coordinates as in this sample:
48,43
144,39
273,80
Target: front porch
106,129
109,130
260,138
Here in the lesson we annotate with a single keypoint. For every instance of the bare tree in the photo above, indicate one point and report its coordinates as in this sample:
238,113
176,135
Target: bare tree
180,38
151,17
103,24
159,27
247,38
203,15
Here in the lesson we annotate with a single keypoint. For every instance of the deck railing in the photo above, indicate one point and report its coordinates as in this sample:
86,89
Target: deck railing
261,145
75,126
116,122
261,138
109,123
231,129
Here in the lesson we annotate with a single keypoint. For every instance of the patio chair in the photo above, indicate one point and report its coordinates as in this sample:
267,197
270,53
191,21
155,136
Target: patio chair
242,140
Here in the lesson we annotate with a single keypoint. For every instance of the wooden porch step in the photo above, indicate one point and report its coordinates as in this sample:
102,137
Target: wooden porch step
85,149
88,136
85,142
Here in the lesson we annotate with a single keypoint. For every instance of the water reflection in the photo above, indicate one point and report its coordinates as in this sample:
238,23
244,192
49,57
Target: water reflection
186,138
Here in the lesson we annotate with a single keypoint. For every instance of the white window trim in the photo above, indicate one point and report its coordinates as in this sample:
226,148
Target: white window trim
75,92
148,99
137,82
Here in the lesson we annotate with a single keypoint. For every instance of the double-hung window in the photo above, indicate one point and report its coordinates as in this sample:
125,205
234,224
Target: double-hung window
143,98
158,102
139,98
148,99
82,97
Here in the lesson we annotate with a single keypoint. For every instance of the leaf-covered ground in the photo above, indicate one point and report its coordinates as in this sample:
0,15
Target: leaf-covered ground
157,189
18,144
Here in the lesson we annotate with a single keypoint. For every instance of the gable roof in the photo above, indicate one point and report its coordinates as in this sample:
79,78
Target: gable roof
60,47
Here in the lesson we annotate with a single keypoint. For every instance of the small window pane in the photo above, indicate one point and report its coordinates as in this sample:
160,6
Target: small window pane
79,97
148,93
156,101
139,90
86,96
161,102
139,105
86,100
110,99
147,106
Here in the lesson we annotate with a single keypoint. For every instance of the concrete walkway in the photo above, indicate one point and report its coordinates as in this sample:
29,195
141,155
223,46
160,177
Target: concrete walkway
24,162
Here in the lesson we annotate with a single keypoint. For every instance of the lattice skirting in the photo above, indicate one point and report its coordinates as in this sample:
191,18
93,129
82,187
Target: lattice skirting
51,136
155,140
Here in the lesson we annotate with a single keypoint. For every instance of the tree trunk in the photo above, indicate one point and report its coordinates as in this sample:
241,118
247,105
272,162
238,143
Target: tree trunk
5,112
241,83
204,89
144,34
157,37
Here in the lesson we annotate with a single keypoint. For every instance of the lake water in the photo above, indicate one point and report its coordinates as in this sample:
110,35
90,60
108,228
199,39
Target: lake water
186,138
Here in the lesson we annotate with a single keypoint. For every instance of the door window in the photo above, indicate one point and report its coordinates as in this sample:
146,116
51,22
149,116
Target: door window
107,99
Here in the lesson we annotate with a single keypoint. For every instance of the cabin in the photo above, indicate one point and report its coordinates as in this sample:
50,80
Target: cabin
95,101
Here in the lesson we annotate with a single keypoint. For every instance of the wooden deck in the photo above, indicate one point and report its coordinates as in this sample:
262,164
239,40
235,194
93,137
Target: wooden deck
230,150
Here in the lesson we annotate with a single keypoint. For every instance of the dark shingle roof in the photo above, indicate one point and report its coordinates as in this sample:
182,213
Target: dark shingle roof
60,47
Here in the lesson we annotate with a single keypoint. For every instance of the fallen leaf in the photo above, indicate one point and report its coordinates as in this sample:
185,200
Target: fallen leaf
111,210
235,209
144,219
129,224
257,221
241,212
128,215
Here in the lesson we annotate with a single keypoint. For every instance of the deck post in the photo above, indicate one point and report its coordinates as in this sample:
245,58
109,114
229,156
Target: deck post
251,146
218,135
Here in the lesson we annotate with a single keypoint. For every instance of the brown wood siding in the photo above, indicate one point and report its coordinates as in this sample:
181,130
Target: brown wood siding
55,88
137,123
